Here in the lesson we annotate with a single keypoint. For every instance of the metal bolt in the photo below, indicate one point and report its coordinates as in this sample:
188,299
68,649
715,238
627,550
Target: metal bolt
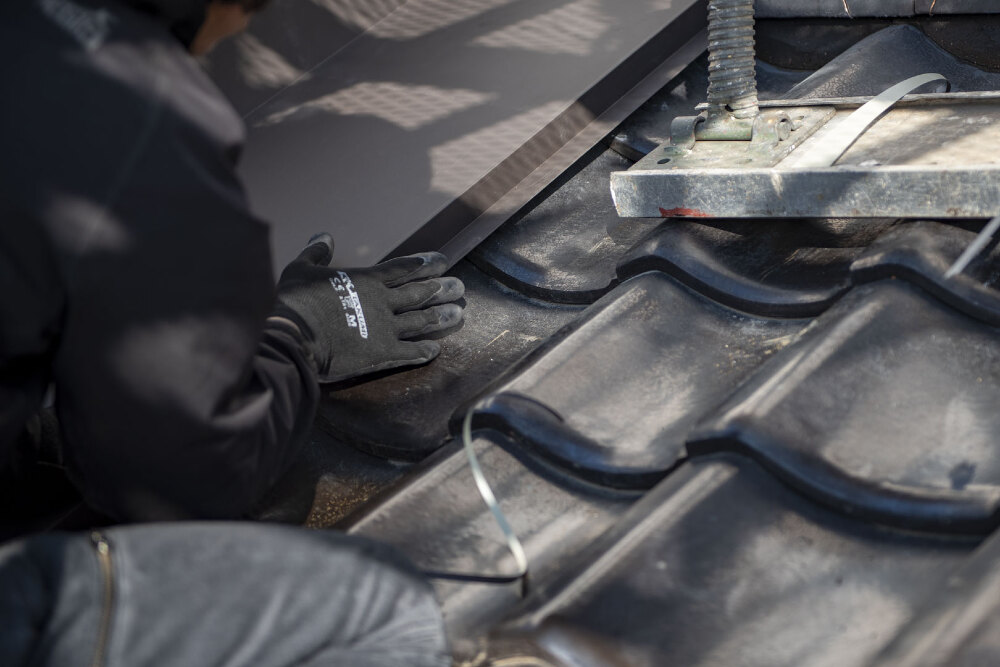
732,79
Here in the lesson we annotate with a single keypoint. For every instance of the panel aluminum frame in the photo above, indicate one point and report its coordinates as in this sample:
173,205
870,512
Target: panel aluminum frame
414,130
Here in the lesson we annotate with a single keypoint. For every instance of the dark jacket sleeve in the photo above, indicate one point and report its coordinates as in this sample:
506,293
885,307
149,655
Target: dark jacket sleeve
174,399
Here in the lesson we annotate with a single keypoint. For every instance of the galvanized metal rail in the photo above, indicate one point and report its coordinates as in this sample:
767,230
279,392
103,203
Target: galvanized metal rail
737,161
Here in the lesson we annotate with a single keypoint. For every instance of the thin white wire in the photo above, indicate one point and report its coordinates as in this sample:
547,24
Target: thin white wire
513,543
974,248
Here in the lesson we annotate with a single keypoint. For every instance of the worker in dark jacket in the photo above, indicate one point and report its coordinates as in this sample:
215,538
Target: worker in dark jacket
135,280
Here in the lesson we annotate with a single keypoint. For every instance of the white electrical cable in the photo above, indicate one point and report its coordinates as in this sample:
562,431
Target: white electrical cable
513,543
974,248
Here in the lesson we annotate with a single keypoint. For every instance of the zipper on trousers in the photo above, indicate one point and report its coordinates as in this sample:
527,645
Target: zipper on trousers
103,549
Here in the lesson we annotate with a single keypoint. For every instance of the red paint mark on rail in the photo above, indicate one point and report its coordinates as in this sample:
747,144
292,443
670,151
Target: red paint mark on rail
682,213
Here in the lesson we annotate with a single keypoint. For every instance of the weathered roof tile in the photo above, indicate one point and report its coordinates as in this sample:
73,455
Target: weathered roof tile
885,409
721,564
612,398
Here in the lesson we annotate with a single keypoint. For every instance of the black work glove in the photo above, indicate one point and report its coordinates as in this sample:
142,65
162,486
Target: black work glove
359,321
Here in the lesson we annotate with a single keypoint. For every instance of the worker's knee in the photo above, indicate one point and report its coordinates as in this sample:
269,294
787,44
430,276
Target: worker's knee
201,593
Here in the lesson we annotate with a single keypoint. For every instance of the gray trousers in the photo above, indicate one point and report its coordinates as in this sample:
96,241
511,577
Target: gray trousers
214,593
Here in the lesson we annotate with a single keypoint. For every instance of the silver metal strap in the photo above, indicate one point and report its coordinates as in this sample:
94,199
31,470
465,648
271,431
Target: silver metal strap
846,133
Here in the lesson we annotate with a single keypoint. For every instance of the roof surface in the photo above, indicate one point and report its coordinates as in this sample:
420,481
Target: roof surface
729,442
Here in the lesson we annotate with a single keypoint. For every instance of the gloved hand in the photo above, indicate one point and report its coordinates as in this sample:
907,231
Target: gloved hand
359,321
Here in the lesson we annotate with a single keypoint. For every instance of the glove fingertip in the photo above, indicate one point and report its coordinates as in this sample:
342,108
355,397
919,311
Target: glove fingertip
436,261
453,288
318,250
428,349
449,314
321,237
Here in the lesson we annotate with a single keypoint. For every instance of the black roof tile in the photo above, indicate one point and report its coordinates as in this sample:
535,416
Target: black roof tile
772,268
722,565
886,58
959,622
921,252
438,519
613,396
885,408
565,248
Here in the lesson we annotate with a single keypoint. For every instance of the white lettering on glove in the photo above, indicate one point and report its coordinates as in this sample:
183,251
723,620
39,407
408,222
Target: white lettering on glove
350,302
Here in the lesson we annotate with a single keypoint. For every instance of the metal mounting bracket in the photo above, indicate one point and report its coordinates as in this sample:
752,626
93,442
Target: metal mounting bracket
776,133
929,156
